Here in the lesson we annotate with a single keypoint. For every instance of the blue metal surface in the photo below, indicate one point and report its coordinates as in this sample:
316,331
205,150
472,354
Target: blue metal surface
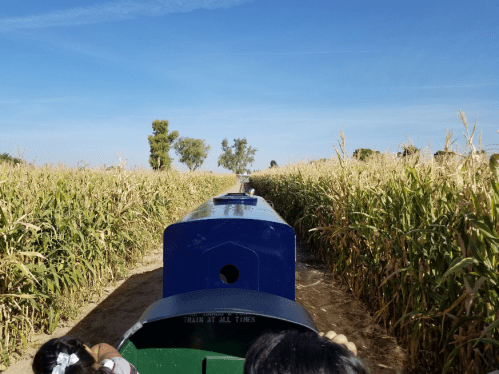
224,244
218,320
210,210
235,198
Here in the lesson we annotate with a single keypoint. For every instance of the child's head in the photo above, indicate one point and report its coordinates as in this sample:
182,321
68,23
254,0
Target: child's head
293,352
71,354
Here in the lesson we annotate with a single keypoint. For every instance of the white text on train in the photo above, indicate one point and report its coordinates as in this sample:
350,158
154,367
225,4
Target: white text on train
220,319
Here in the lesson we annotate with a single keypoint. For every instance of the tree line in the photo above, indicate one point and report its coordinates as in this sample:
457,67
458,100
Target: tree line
363,153
193,152
8,158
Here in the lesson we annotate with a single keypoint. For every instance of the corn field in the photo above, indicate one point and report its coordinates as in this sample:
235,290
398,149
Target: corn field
66,233
415,239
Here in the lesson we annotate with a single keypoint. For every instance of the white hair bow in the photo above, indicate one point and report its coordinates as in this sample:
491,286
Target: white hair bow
63,361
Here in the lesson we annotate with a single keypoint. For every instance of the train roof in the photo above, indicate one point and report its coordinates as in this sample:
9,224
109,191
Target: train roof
234,206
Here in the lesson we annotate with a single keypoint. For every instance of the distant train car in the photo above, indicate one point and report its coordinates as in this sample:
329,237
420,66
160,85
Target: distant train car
229,276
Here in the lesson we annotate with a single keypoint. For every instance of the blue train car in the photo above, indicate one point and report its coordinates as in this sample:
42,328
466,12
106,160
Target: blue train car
229,276
230,241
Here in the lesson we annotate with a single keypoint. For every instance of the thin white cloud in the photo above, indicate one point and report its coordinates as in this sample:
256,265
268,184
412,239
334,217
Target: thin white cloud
44,100
444,86
273,53
111,11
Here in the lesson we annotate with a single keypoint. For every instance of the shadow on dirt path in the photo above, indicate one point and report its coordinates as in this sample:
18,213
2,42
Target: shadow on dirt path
331,307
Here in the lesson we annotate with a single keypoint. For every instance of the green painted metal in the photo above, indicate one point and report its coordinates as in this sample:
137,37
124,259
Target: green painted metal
181,361
224,365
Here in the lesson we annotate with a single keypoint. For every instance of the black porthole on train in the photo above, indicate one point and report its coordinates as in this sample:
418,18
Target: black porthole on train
229,274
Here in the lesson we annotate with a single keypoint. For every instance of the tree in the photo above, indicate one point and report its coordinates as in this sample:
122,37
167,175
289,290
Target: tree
160,144
192,152
408,150
236,161
273,164
319,161
441,154
5,157
363,153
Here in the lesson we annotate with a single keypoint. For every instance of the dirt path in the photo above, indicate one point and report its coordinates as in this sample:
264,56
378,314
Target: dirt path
331,307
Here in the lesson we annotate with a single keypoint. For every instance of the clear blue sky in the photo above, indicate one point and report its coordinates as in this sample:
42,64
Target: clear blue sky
84,80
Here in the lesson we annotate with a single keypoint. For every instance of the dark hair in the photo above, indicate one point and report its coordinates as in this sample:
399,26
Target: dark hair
294,352
46,357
